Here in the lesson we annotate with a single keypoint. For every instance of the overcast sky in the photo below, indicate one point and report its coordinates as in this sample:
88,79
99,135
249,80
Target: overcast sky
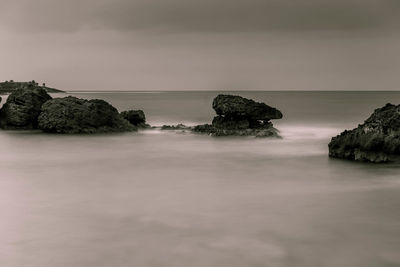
202,44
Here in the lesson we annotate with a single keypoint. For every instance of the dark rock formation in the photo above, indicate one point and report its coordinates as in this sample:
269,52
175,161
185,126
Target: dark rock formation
73,115
22,108
232,106
135,117
180,126
241,116
222,122
376,140
259,132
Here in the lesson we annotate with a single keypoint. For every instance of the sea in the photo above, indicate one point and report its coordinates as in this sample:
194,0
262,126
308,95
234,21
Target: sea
157,198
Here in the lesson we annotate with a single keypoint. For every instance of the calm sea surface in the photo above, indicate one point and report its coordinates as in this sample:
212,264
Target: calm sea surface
157,198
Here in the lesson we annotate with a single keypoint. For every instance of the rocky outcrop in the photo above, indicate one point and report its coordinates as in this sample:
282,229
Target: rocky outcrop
178,127
71,115
376,140
240,116
232,106
22,108
135,117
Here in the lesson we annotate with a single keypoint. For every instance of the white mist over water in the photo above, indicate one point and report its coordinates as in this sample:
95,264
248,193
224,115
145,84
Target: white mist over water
156,198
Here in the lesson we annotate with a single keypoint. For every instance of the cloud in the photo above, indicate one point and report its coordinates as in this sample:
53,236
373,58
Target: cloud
198,15
177,44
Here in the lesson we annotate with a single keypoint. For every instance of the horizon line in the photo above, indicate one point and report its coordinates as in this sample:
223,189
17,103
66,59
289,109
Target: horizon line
236,90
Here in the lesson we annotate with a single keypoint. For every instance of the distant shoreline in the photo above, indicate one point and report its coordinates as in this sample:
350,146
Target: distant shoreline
10,86
223,91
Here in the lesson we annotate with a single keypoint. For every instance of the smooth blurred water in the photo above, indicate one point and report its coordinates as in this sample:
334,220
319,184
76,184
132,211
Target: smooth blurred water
157,198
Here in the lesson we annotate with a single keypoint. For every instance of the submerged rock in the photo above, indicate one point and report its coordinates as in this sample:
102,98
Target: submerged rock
376,140
72,115
241,117
258,132
22,108
179,126
135,117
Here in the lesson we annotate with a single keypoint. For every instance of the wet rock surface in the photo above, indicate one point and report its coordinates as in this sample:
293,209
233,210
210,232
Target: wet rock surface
232,106
135,117
22,108
259,132
376,140
71,115
240,116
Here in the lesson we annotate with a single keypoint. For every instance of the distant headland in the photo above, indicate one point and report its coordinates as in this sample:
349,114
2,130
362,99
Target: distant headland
10,86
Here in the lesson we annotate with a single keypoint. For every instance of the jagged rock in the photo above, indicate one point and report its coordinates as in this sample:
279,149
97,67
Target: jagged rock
22,108
72,115
233,106
376,140
135,117
241,117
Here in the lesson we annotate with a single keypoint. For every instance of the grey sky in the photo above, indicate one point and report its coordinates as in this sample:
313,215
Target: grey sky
202,44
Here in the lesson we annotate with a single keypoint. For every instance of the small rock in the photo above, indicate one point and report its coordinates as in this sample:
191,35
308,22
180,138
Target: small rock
176,127
257,132
135,117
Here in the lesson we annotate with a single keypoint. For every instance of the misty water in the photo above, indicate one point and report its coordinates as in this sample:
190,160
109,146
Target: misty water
164,198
